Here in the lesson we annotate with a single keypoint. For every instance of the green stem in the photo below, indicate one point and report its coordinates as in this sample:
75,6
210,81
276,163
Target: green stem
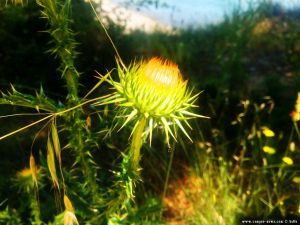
297,130
129,175
77,142
58,16
168,176
34,205
136,144
36,213
72,84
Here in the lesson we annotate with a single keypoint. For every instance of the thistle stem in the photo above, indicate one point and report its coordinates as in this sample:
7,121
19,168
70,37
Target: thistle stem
168,176
59,19
136,144
72,84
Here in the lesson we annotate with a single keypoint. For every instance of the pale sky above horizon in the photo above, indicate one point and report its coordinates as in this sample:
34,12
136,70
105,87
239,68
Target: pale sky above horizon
197,12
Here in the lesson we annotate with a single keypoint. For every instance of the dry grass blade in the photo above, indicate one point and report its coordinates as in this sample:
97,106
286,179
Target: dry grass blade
33,169
51,163
55,141
56,146
69,217
68,204
25,127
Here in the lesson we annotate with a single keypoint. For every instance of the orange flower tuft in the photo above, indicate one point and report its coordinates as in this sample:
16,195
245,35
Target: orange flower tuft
162,73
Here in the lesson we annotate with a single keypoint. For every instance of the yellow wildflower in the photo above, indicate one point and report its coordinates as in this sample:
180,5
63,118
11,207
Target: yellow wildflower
292,146
296,180
25,172
267,132
295,114
288,160
269,150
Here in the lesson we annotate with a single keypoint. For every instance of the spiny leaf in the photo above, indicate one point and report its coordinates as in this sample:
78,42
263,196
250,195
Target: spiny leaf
192,114
39,102
130,116
182,128
167,130
102,79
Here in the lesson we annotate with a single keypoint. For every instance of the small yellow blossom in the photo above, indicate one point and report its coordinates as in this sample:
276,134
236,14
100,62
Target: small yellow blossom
245,103
288,160
297,105
295,116
267,132
292,146
24,180
214,198
26,172
281,203
265,162
296,180
269,150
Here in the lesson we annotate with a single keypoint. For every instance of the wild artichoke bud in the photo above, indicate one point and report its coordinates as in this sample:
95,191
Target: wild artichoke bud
155,90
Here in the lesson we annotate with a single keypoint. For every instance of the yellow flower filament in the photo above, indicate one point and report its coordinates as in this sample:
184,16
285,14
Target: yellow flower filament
157,88
25,172
161,74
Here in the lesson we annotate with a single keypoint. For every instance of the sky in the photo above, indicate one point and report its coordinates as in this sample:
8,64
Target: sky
180,13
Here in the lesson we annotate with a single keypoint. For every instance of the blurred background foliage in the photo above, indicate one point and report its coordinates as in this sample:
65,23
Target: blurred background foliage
249,68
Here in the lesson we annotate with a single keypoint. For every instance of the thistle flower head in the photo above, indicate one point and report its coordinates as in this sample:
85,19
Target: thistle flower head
23,180
24,173
156,90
